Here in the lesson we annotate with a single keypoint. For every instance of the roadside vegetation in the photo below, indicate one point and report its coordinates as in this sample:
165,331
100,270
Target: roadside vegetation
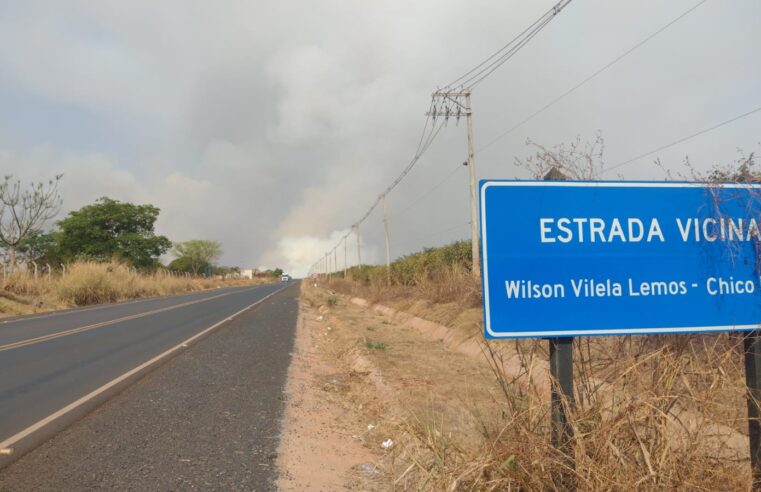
104,252
652,412
437,275
85,283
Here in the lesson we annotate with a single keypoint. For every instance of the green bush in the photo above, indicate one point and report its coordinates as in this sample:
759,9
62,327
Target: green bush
414,268
376,345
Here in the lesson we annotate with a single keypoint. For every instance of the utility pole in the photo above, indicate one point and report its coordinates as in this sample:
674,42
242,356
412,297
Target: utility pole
335,259
359,249
388,248
456,104
346,261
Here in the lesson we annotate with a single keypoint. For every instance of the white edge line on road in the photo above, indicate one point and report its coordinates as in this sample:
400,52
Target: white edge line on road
5,446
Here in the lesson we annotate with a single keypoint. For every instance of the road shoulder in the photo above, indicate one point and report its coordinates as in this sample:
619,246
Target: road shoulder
317,450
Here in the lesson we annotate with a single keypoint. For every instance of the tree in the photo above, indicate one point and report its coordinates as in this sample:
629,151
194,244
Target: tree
199,253
23,211
225,270
184,265
113,230
576,160
41,247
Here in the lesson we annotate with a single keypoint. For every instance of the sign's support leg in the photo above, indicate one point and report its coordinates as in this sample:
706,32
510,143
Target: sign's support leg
561,371
752,344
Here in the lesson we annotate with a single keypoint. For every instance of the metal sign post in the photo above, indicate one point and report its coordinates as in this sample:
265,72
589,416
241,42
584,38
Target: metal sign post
563,402
752,345
561,384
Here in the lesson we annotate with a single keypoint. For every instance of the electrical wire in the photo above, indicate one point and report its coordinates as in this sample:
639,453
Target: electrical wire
590,77
494,61
432,234
473,77
681,140
427,192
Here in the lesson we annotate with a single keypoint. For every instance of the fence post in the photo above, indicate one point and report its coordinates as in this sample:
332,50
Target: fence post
50,278
63,269
35,270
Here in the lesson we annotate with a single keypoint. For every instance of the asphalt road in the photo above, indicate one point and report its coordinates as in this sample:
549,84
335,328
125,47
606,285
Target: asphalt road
50,361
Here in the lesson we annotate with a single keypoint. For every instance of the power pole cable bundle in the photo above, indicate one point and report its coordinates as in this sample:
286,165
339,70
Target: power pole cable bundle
453,101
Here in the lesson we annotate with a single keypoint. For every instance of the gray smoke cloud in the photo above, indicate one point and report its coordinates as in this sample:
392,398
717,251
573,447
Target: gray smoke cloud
271,126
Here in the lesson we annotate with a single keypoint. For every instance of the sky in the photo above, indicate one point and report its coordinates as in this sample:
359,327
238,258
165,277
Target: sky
271,126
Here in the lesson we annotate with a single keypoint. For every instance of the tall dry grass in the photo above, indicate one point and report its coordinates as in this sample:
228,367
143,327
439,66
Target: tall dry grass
438,275
650,415
86,283
652,412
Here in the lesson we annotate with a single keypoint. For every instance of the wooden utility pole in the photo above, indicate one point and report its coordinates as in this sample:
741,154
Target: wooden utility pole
359,249
388,247
456,104
474,236
346,256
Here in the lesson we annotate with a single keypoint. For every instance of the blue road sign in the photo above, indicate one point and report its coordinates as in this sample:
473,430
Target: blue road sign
610,258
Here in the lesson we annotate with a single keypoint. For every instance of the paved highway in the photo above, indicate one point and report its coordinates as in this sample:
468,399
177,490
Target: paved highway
52,366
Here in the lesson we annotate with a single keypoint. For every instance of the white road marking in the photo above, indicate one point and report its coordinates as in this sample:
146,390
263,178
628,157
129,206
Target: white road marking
6,444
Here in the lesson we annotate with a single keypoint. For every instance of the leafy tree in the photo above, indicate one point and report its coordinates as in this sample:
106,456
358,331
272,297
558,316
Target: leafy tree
184,265
199,253
224,270
113,230
41,247
23,211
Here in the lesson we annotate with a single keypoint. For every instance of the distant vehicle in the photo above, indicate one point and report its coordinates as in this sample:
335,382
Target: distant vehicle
285,277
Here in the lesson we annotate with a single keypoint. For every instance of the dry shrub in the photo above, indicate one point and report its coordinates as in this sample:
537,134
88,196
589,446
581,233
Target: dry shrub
23,284
652,413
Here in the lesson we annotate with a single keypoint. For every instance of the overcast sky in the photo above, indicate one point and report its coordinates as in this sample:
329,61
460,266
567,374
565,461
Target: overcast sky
271,126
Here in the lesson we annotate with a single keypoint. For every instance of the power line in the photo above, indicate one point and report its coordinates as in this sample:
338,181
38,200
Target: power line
471,79
427,137
421,150
590,77
432,234
475,75
428,191
683,139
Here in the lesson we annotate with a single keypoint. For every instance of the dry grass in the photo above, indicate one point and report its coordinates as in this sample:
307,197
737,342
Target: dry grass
450,284
652,413
88,283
